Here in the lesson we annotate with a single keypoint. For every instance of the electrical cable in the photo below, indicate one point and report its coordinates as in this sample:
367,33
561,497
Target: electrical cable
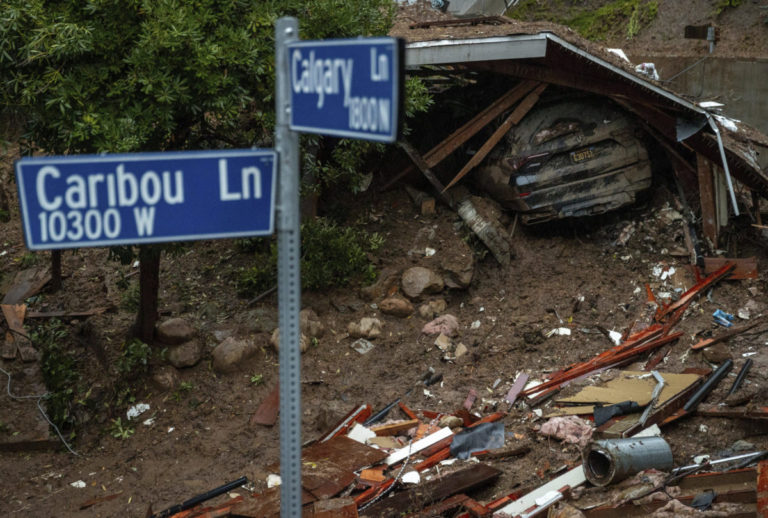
39,407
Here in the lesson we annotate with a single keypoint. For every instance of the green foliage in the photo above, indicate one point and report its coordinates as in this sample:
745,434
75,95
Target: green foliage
59,368
722,5
120,430
129,298
257,379
134,359
332,256
28,259
184,388
615,18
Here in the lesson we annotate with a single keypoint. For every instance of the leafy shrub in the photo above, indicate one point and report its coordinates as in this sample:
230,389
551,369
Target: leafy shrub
331,256
59,368
134,358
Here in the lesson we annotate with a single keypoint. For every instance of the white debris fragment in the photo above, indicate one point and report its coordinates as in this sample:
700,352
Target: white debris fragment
711,104
412,477
700,459
560,331
149,422
360,433
79,484
273,480
615,337
171,429
648,69
703,428
475,325
747,355
620,53
429,252
137,410
729,124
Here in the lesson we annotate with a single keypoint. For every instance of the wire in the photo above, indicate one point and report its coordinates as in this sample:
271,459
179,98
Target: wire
392,485
39,407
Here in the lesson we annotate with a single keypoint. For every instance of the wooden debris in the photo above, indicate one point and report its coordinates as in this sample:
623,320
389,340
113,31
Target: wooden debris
14,316
433,491
706,342
99,500
336,508
417,446
747,412
266,414
358,415
745,268
26,284
68,314
503,452
424,202
395,428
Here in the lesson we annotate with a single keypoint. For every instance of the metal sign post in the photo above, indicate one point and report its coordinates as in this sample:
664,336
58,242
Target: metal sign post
288,276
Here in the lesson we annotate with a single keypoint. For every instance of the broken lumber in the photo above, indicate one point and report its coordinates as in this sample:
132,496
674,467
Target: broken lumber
418,160
513,119
266,414
14,316
433,491
394,428
706,342
744,268
403,453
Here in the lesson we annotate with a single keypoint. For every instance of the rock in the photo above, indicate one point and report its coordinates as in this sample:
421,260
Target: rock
445,324
362,346
384,285
717,353
165,378
457,264
460,351
418,281
275,341
262,319
310,324
396,306
451,421
186,354
443,342
744,395
229,353
175,331
433,308
742,445
366,328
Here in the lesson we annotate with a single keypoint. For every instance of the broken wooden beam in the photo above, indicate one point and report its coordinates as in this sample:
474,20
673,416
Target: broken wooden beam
744,268
707,197
14,315
418,160
513,119
394,428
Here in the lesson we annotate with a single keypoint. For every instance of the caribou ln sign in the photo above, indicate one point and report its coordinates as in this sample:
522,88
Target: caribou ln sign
104,200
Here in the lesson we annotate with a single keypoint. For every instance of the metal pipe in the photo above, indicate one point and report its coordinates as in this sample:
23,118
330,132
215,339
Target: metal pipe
744,456
708,386
713,124
660,382
613,460
740,377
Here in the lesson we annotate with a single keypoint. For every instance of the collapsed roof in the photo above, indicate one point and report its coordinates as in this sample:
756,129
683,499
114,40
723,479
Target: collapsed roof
556,55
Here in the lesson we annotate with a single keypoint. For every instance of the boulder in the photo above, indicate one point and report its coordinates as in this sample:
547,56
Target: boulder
175,331
445,324
419,281
165,378
228,355
396,306
366,328
457,264
310,324
186,354
275,341
433,308
384,285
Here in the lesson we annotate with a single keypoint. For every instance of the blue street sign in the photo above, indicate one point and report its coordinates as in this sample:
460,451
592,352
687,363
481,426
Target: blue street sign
104,200
346,88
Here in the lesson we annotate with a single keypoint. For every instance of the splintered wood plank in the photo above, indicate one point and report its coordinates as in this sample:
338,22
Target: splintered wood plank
394,428
266,414
14,316
707,196
746,268
346,453
27,283
425,494
515,117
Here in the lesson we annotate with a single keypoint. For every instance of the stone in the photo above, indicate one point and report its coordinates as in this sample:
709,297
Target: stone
445,324
366,328
186,354
443,342
262,319
418,281
717,353
396,306
362,346
433,308
310,324
744,395
175,331
742,445
165,378
451,421
384,285
275,341
228,355
457,264
460,351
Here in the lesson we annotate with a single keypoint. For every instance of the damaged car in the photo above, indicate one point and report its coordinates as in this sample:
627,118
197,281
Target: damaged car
569,158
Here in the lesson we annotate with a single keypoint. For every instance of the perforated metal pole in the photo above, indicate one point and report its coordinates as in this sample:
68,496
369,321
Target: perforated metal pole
288,276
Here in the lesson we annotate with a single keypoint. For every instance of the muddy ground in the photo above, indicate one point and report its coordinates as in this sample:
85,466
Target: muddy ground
201,437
